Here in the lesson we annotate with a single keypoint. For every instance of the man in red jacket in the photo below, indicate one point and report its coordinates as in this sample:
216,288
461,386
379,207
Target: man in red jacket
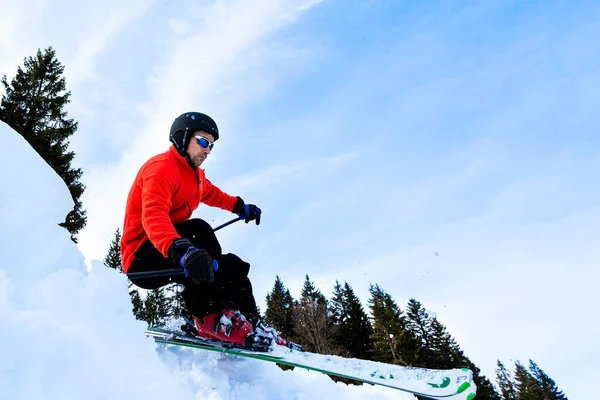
158,234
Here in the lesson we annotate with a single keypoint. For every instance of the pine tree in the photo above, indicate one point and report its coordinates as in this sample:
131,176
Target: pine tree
354,329
505,382
387,325
439,350
175,301
138,304
113,258
313,324
546,385
34,107
280,308
392,342
445,351
526,385
418,322
156,307
338,311
448,354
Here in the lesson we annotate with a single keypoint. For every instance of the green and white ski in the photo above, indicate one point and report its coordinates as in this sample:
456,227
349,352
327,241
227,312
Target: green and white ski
455,384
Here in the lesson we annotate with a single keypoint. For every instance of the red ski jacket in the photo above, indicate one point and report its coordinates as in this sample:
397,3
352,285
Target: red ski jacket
165,192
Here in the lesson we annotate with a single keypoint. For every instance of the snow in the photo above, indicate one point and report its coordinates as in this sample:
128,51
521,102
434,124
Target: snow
68,333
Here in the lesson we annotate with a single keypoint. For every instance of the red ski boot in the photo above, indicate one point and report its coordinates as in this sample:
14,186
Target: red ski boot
229,326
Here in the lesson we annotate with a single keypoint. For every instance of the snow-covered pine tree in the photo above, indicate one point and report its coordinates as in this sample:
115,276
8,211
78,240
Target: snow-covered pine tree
34,106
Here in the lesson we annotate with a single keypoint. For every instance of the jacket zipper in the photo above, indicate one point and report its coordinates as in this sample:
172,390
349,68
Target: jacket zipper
187,201
197,183
189,209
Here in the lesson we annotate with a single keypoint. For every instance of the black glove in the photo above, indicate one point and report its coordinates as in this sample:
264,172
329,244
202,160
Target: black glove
196,263
247,212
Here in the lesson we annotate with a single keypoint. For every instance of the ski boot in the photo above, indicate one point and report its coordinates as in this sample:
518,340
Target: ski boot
229,327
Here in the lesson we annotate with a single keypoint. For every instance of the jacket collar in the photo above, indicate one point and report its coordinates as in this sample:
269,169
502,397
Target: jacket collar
182,160
186,162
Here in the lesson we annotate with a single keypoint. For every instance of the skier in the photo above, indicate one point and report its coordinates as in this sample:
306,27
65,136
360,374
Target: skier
158,234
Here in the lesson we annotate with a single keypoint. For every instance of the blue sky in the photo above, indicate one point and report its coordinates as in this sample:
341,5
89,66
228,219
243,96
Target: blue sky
373,134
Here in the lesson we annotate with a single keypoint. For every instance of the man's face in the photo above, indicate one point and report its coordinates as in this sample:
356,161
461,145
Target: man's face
198,153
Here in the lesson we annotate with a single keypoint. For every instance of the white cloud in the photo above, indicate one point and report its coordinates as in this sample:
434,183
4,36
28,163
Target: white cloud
93,41
17,43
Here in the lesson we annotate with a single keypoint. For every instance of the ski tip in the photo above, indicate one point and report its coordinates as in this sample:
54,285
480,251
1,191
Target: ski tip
463,387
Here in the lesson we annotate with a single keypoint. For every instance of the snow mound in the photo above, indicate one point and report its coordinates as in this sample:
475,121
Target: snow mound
68,333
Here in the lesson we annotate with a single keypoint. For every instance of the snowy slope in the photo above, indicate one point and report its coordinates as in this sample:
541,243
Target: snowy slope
66,333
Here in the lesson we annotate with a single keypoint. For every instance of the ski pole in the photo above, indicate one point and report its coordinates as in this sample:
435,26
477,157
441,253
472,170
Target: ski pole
154,274
227,223
174,271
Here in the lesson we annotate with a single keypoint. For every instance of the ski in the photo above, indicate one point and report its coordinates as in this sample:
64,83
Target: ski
455,384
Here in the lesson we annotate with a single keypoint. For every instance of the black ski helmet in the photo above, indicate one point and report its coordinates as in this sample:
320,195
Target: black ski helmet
186,125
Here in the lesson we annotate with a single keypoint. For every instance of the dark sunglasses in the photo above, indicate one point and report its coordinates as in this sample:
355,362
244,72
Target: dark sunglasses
204,143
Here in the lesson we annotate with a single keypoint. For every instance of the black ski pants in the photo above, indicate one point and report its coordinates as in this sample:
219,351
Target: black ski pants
231,288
